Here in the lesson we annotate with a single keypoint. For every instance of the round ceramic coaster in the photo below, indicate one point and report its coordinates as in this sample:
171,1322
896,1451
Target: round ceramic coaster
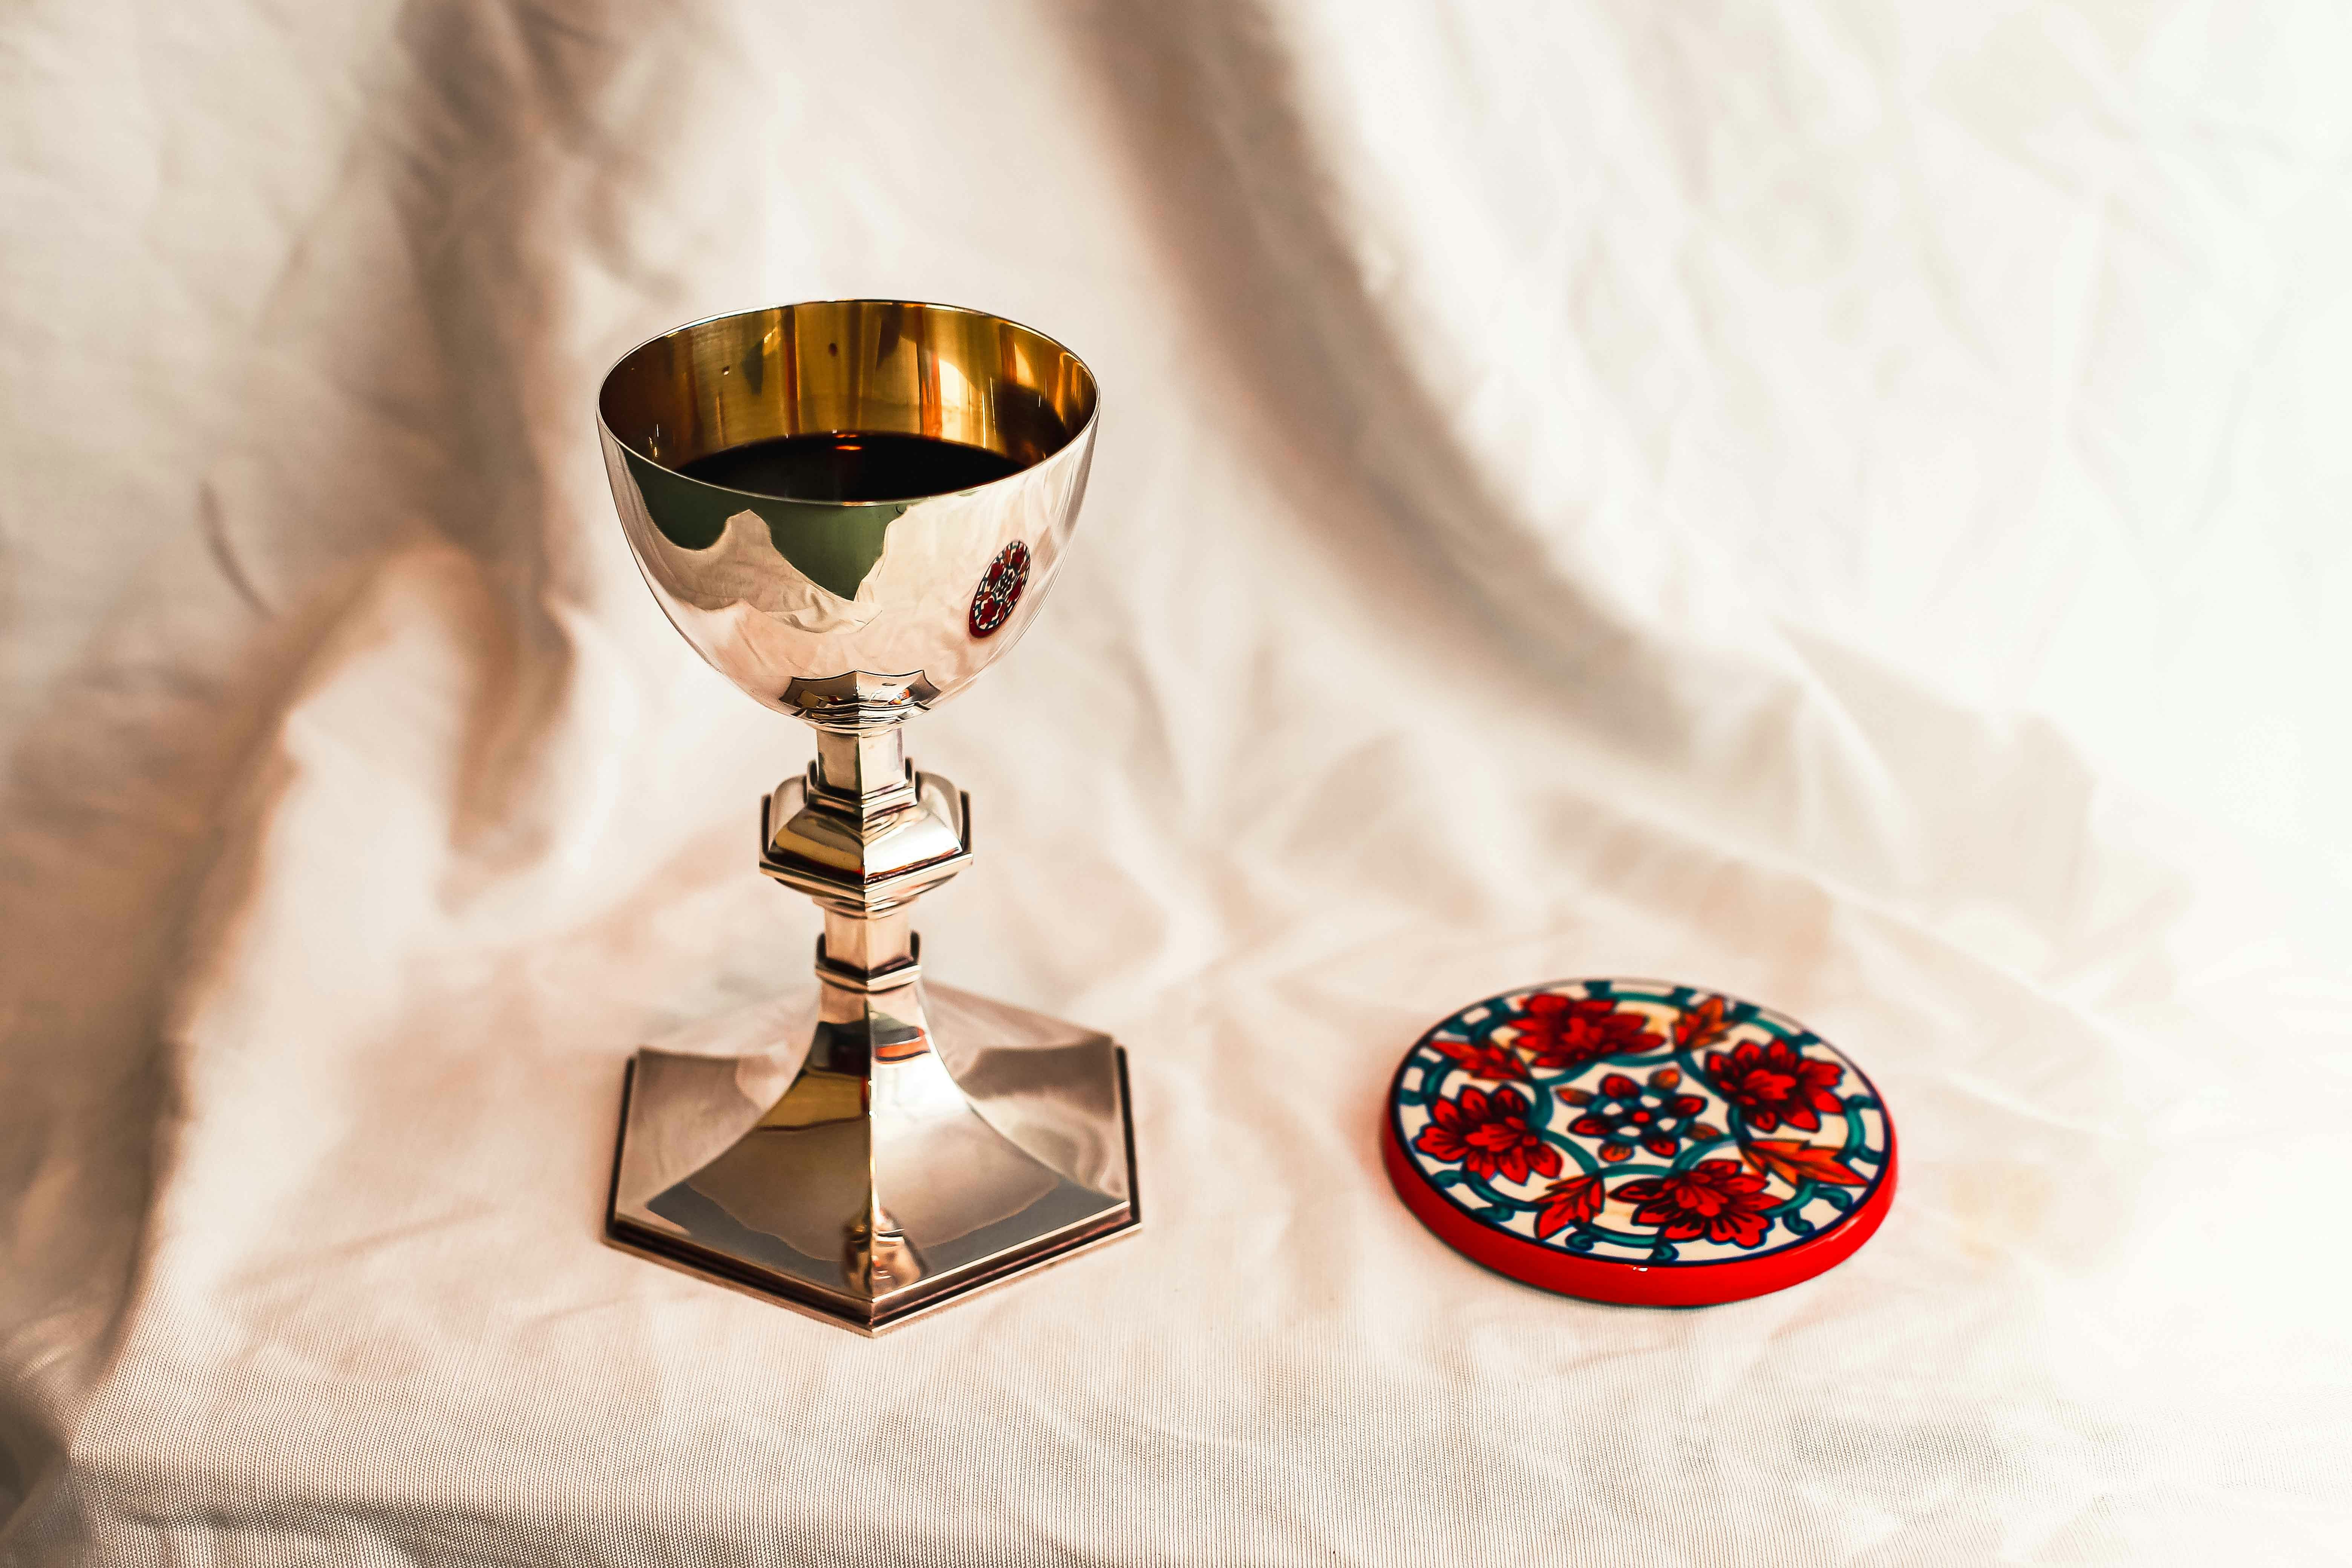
1635,1141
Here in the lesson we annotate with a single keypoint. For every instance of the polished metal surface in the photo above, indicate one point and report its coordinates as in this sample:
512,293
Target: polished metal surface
846,613
891,1150
879,1184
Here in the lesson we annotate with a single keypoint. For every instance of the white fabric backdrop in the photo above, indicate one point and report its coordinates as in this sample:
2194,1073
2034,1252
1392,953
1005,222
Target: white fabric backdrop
1845,504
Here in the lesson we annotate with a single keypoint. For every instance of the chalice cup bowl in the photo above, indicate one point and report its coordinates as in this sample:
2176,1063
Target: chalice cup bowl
850,509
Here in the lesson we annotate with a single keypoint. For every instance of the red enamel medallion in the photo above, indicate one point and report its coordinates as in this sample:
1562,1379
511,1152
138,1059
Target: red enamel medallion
1637,1143
993,602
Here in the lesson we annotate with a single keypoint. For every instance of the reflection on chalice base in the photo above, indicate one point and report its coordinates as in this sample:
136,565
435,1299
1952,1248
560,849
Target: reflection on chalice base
886,1149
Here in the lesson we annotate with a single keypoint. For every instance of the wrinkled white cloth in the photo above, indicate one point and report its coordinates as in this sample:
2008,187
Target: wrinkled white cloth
1842,505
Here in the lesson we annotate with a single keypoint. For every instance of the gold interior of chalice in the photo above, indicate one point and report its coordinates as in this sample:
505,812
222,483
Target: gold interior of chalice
878,366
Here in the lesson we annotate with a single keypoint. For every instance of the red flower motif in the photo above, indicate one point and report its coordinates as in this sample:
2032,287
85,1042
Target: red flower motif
1770,1084
1487,1133
1718,1199
1559,1032
1482,1058
1622,1113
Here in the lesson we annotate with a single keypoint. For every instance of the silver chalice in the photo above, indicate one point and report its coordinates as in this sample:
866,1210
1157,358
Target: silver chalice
850,509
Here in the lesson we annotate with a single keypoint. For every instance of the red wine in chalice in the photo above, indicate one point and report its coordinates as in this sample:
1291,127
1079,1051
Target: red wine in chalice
848,465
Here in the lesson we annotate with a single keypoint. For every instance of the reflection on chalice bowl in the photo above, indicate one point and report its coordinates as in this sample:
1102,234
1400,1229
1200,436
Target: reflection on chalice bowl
850,509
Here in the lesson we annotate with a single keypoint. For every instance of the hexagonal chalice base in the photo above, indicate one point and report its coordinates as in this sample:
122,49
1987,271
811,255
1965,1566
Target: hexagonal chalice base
868,1183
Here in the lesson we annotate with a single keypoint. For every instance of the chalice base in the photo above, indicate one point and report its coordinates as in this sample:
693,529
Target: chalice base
870,1201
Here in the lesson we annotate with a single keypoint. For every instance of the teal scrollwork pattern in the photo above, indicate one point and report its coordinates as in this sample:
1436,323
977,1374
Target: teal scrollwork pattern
1640,1122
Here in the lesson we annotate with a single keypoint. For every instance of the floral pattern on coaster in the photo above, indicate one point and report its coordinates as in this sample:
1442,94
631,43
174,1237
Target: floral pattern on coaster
1655,1126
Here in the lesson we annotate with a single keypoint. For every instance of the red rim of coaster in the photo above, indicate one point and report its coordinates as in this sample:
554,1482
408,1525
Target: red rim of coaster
1616,1280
